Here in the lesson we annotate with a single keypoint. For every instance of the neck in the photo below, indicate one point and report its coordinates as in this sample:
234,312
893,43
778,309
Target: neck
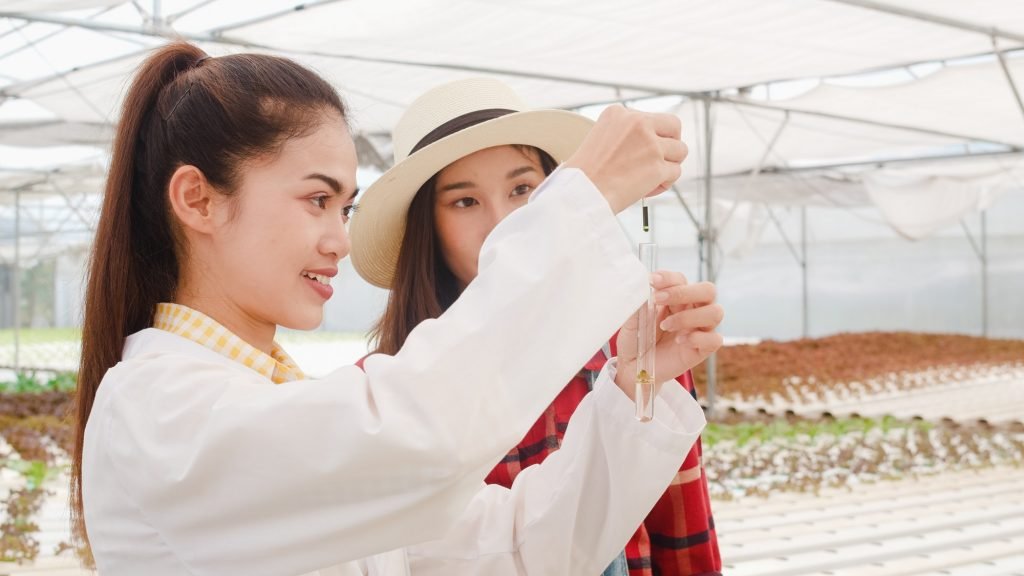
215,303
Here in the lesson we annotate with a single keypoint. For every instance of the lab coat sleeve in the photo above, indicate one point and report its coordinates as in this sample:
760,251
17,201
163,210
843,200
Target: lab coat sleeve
574,512
240,477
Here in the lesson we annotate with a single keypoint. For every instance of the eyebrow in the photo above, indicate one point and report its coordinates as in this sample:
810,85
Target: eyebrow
520,171
455,186
333,184
467,184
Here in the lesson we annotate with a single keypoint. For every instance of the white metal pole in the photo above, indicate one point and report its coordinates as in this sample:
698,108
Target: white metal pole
803,269
708,243
896,10
1009,77
16,279
984,273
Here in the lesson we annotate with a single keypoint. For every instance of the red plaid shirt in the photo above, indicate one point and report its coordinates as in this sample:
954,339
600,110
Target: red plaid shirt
678,536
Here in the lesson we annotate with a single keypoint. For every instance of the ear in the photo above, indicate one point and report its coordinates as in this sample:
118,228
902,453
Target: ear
192,199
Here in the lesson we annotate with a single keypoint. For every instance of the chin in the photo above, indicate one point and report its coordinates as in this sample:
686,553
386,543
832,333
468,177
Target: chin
304,321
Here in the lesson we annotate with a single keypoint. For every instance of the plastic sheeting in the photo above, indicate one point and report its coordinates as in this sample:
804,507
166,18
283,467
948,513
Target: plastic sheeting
917,203
971,100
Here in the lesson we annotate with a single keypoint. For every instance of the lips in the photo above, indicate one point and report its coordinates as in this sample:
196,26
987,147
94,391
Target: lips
320,281
325,280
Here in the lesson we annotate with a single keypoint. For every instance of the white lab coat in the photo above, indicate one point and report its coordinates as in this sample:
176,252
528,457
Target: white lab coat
194,464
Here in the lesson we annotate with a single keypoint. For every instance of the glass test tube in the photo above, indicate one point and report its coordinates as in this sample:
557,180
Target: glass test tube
646,340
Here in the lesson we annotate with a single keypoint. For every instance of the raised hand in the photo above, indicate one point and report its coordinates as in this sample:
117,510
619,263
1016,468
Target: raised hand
630,154
687,319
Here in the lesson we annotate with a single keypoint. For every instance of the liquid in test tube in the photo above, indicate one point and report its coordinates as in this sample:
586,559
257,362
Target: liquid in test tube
646,340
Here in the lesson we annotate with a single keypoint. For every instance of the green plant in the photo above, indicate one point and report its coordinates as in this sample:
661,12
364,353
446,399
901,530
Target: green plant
35,472
30,383
764,456
26,383
63,382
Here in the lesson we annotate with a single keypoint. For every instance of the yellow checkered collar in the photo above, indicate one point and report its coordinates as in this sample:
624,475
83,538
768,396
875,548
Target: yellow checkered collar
205,331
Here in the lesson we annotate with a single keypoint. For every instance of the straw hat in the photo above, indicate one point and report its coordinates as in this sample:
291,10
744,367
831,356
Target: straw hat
441,126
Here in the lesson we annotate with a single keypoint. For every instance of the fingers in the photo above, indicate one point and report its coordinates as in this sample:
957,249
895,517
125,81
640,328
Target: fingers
682,295
628,153
671,169
670,174
613,111
661,188
626,341
632,324
706,343
662,279
689,327
702,318
688,349
666,125
673,151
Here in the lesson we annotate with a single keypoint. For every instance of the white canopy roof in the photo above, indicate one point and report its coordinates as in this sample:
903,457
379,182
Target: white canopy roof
792,85
561,53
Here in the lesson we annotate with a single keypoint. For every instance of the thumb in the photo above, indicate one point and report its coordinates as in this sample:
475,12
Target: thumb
625,342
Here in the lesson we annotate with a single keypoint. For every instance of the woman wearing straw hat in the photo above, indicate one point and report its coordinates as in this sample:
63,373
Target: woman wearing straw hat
468,154
202,449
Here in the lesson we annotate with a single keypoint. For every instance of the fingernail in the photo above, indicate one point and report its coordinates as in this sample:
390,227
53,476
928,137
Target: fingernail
661,296
656,278
664,325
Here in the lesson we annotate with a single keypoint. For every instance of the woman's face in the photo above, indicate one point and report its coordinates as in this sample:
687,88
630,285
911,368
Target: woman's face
274,253
476,192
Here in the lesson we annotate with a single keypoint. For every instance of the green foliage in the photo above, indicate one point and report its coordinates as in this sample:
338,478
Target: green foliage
797,431
41,335
26,383
31,383
63,382
35,472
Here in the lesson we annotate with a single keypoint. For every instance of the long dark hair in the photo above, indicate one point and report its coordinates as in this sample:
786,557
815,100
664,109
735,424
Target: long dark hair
183,108
423,286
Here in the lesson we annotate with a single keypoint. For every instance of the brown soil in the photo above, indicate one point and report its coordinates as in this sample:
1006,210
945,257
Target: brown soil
762,369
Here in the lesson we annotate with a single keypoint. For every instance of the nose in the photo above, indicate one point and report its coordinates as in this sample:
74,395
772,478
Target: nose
335,241
498,211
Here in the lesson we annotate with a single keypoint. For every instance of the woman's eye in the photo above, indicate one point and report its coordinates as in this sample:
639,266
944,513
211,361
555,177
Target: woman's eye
465,202
522,189
348,211
319,201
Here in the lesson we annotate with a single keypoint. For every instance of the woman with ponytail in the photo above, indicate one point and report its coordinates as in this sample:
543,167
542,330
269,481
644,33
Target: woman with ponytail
202,449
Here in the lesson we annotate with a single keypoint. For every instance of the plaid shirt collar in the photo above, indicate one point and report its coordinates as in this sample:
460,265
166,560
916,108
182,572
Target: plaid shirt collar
205,331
